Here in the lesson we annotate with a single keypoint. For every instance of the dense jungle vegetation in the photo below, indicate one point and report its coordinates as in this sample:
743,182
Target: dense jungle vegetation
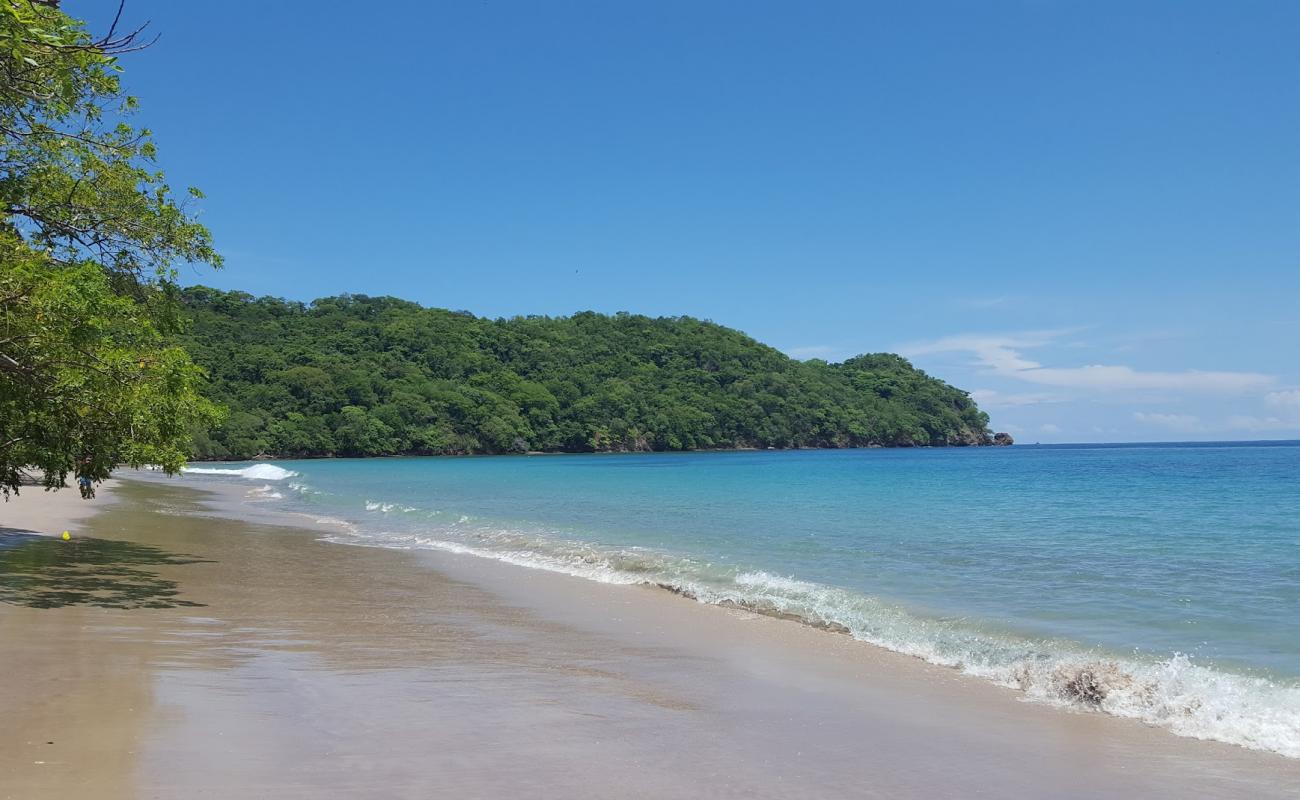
359,376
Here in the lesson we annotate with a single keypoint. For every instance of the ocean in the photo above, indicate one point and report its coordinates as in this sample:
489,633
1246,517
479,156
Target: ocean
1159,582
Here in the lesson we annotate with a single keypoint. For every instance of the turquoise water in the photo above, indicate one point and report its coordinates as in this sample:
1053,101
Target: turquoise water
1160,582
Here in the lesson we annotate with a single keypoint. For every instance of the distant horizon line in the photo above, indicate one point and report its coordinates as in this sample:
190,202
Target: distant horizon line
719,450
1206,442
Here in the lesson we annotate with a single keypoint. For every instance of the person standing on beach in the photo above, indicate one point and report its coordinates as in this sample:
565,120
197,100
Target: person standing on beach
84,482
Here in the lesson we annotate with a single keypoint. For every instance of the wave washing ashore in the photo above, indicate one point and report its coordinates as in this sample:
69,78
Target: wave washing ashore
1158,582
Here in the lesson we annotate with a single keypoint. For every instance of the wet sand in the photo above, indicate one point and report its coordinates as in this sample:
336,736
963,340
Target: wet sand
180,653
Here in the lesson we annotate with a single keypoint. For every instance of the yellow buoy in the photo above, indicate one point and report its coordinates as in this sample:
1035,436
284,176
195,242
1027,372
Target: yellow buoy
66,536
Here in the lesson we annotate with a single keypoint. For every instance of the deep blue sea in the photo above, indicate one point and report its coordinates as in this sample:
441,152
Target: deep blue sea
1160,582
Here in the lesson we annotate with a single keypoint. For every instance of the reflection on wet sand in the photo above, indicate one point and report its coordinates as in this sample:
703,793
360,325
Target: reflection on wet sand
183,653
261,645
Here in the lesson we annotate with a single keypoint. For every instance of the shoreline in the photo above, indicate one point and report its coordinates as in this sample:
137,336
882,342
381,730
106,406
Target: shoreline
1175,692
404,661
271,459
991,446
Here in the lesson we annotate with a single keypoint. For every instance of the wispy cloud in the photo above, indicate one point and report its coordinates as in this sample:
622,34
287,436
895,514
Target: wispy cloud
990,398
1285,404
1245,422
1289,400
1184,423
998,352
1098,376
1001,354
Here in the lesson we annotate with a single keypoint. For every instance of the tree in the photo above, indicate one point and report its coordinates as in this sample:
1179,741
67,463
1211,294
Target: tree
90,236
360,434
376,376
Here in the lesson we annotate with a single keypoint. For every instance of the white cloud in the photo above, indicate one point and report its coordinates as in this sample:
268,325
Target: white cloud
1001,355
1098,376
1245,422
990,398
1286,400
1048,427
1185,423
1287,404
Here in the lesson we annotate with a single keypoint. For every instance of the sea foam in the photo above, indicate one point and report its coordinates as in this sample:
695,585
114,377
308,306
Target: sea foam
1186,698
1176,692
257,472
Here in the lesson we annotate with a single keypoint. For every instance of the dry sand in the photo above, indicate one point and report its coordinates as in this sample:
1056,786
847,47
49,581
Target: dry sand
177,653
52,513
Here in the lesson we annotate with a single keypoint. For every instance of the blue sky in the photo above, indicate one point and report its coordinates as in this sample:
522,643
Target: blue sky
1087,213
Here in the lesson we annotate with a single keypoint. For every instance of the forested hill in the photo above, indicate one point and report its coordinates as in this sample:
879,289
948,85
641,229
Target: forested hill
355,375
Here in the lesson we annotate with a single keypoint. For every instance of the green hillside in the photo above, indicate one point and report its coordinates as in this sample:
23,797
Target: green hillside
355,375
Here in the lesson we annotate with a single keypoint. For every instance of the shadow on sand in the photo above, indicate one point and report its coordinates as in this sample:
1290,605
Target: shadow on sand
41,572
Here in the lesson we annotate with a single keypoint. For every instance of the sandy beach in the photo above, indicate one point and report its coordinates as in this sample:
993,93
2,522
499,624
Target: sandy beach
175,650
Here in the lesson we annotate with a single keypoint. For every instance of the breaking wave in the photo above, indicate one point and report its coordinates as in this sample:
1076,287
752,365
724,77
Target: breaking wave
257,472
1183,696
1186,698
386,508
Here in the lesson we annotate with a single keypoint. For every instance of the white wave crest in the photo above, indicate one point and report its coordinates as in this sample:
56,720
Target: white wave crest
385,508
257,472
1186,698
